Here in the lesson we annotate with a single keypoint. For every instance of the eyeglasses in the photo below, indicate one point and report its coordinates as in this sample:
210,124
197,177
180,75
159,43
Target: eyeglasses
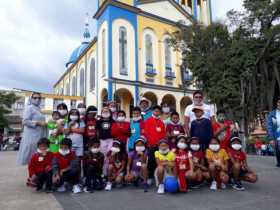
198,97
36,98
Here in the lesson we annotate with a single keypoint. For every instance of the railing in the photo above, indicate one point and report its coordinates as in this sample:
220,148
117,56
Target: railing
150,71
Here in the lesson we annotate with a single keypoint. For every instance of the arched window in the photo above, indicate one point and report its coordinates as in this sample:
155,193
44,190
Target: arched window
82,82
74,86
123,50
103,42
167,55
92,75
67,89
149,49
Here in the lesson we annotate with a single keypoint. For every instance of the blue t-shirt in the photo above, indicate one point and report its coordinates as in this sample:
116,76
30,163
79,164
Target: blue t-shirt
135,133
147,114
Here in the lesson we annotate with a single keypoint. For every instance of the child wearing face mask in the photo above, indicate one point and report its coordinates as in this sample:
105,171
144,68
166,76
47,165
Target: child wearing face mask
201,127
217,159
136,127
121,129
173,129
40,167
66,167
238,166
113,108
93,166
55,125
165,160
104,127
116,167
154,131
222,128
200,171
165,113
91,123
82,110
63,111
184,164
75,129
137,163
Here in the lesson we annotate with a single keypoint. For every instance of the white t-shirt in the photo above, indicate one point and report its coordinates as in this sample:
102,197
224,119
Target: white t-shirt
208,112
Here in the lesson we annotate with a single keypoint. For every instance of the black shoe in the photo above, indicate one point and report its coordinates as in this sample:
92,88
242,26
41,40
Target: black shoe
238,186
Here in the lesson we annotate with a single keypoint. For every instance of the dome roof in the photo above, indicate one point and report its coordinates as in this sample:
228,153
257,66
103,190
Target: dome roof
76,53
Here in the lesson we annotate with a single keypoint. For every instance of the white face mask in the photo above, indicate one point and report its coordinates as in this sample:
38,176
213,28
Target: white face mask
74,117
105,115
82,111
115,149
214,147
236,146
42,152
121,119
182,145
195,147
62,112
113,109
166,109
64,152
163,151
157,117
140,148
136,118
95,150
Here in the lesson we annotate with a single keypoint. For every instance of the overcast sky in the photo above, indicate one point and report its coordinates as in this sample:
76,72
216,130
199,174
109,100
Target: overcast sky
37,38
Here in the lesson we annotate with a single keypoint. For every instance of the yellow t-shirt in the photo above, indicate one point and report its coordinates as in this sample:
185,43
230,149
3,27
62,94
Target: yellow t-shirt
220,155
170,156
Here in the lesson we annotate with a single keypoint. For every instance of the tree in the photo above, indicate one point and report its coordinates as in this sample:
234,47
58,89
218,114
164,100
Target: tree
6,102
237,63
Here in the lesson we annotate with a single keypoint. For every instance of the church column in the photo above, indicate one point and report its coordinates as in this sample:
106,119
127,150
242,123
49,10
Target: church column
209,11
194,8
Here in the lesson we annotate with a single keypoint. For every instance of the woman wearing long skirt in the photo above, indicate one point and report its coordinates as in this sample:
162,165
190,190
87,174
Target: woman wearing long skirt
34,123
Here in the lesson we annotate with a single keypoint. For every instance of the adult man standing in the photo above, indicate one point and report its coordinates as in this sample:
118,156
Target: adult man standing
273,130
197,102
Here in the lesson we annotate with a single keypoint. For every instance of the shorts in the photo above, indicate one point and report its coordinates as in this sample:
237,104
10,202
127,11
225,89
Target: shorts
164,176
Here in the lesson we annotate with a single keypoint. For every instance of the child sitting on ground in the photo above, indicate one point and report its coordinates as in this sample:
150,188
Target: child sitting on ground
66,167
238,165
184,164
40,167
200,171
165,160
93,166
137,163
218,164
116,167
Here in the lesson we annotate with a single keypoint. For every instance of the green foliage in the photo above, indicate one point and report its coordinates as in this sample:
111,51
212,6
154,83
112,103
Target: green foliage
6,102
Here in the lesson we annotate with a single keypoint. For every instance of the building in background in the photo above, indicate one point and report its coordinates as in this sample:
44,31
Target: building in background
131,57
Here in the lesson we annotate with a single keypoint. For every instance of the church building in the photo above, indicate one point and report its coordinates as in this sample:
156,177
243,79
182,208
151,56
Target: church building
131,56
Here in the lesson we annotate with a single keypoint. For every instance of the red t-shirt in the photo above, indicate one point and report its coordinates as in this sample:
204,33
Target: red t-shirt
154,131
240,156
224,136
197,156
40,164
64,161
182,160
174,129
90,130
121,131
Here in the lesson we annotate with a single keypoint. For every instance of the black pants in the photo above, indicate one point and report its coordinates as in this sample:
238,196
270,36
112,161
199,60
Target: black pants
44,178
93,177
71,176
152,165
277,152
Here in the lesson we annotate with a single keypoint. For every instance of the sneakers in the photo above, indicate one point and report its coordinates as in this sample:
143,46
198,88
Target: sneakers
160,189
223,186
88,190
145,187
76,189
61,188
108,186
213,185
238,186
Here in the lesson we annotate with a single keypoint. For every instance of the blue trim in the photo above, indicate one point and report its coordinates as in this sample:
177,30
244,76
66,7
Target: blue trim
194,8
110,14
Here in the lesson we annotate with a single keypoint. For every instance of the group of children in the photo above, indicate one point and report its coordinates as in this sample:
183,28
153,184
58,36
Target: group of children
90,152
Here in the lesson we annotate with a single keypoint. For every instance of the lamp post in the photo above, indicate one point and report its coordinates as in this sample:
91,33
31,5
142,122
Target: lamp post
186,76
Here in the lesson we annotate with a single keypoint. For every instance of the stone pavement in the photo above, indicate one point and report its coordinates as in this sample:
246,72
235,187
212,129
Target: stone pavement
263,195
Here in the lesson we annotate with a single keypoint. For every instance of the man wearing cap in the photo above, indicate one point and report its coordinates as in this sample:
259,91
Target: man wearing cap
201,127
273,130
197,102
145,106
